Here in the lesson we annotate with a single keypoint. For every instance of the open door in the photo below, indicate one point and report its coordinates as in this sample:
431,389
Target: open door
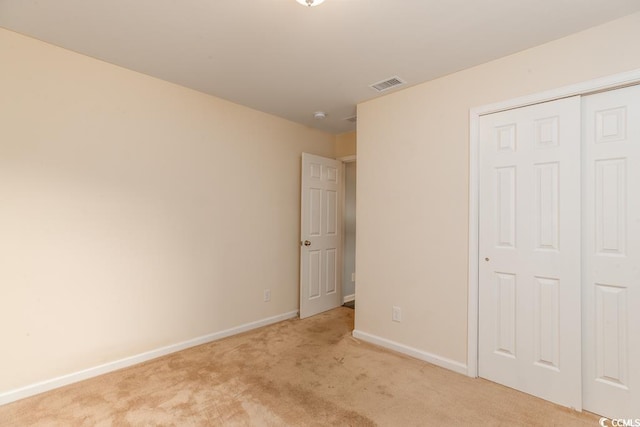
320,235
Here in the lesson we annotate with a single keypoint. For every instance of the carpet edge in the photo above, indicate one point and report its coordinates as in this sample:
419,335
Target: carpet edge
74,377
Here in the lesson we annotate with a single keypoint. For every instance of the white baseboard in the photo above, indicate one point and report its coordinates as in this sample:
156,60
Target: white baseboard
348,298
41,387
443,362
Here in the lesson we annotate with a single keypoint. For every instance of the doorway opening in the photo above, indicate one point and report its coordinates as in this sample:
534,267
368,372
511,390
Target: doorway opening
349,233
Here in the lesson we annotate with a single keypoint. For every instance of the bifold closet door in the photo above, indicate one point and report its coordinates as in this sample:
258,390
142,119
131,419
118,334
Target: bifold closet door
529,276
611,260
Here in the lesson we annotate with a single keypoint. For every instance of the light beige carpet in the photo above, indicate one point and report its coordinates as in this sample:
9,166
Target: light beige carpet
300,372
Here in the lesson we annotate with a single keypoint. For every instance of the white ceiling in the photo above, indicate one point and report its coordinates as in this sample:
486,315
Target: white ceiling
285,59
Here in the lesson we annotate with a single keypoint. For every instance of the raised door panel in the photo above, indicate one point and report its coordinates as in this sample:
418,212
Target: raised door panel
610,204
546,206
547,323
315,274
611,342
506,211
505,295
315,212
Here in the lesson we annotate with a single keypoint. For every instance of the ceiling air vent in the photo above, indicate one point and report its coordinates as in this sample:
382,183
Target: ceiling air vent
387,84
351,119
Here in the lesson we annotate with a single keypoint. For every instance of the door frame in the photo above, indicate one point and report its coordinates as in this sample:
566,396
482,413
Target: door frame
615,81
346,159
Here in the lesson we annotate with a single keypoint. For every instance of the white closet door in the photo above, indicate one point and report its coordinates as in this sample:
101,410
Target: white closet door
611,344
529,289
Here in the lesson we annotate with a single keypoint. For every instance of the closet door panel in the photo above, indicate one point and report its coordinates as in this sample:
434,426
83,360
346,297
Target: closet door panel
529,284
611,258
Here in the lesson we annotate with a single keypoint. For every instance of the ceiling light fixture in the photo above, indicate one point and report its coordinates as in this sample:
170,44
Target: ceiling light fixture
319,115
310,3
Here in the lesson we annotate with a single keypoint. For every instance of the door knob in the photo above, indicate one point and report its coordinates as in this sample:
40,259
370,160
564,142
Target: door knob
307,243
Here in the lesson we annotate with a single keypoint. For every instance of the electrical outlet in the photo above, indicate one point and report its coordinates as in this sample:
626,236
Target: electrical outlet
396,314
353,277
267,295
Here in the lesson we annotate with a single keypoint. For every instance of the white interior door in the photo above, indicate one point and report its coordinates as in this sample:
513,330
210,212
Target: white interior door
529,247
321,235
611,258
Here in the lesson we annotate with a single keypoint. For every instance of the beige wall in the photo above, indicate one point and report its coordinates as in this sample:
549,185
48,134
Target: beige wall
346,144
413,183
134,213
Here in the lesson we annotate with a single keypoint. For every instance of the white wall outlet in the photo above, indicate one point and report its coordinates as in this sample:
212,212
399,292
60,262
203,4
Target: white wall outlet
353,277
396,314
267,295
